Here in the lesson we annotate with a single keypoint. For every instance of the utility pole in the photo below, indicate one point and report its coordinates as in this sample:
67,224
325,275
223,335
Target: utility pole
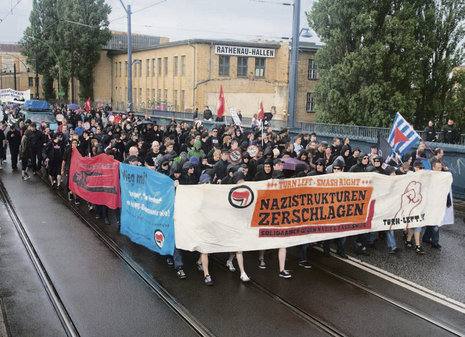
293,65
14,74
128,12
37,79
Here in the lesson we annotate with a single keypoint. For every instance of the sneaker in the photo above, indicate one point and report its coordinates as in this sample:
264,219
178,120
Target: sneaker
305,264
107,221
419,250
76,202
181,274
408,244
245,278
261,264
169,261
230,265
97,216
26,177
208,280
436,246
199,267
342,255
285,274
70,196
394,251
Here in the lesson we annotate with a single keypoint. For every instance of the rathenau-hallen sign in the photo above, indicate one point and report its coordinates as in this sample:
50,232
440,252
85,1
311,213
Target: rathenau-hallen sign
244,51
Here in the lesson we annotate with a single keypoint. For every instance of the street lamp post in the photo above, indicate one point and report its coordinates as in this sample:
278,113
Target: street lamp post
128,12
294,62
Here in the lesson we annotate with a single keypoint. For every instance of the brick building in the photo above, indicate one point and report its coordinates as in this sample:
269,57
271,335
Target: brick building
184,75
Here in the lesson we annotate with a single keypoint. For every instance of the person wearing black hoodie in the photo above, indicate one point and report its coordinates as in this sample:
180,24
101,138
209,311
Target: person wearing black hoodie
319,169
362,163
221,167
266,172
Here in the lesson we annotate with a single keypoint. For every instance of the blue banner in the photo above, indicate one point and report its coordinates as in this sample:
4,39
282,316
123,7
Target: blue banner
147,199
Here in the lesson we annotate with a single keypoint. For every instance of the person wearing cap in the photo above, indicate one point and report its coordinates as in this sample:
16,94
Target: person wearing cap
278,169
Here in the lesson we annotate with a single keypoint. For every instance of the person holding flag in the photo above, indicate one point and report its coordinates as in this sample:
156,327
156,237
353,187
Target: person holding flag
402,137
87,107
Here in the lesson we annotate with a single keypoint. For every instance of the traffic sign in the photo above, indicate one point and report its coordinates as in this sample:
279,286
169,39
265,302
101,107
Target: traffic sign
60,93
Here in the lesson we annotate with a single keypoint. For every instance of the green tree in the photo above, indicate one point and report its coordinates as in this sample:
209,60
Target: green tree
67,45
36,43
383,56
455,104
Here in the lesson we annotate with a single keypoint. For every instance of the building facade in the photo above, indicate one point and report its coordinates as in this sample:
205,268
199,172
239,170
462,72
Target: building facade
15,70
184,75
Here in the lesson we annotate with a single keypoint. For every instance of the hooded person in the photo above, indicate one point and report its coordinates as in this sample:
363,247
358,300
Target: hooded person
300,171
338,162
188,176
196,150
267,154
319,168
229,179
362,163
251,166
265,171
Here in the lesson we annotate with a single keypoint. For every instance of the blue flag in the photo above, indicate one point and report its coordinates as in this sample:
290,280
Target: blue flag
147,207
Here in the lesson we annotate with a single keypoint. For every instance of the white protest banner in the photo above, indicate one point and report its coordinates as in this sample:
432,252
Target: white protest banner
235,117
10,95
283,213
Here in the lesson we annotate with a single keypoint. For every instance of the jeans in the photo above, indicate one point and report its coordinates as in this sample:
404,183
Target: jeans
341,242
303,251
431,235
390,240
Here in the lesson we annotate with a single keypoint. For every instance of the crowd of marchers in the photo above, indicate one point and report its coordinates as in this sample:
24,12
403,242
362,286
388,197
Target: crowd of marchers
191,153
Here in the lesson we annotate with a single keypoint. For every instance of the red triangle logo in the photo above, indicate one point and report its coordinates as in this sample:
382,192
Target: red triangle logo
399,136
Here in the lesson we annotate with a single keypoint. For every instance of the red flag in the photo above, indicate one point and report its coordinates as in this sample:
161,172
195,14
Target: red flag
95,179
220,107
261,112
87,106
99,105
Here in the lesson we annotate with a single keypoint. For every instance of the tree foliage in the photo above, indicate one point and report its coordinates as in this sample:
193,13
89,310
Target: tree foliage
384,56
64,40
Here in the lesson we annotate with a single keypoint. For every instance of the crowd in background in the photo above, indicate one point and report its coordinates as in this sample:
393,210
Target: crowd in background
191,153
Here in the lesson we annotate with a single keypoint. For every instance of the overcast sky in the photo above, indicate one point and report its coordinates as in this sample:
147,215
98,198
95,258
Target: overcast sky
181,19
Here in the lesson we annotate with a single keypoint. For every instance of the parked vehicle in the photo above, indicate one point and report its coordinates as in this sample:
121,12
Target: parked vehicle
39,111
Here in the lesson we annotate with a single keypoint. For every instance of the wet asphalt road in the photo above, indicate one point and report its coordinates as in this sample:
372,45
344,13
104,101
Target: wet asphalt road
105,298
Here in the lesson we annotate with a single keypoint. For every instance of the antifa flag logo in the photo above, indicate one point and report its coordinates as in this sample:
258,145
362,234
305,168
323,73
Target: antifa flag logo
159,238
241,196
85,178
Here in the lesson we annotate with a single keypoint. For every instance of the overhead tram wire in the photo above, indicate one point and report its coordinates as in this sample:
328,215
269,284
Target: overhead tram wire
139,10
10,11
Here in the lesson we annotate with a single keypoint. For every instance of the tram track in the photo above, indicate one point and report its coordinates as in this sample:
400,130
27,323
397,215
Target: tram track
60,309
202,330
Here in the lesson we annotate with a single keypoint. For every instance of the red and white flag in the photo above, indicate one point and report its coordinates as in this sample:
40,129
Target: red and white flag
261,112
87,106
220,106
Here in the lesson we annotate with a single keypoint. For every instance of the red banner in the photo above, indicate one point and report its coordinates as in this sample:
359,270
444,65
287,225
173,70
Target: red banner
96,179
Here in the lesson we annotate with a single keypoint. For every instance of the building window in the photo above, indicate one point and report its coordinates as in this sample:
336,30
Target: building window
175,63
140,95
165,95
312,70
260,67
183,98
159,66
120,69
134,71
30,81
147,73
310,106
121,92
154,64
140,69
223,66
116,69
175,99
126,68
147,98
166,65
134,97
183,65
242,66
159,95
